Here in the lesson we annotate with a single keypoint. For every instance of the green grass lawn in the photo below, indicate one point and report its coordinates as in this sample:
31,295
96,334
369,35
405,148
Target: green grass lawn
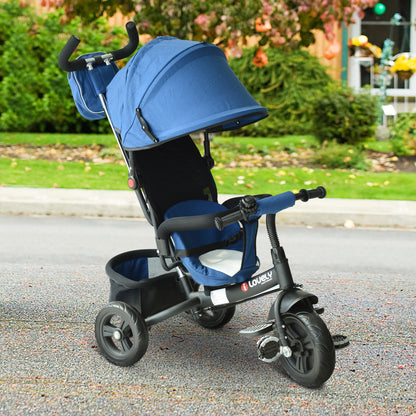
339,183
49,174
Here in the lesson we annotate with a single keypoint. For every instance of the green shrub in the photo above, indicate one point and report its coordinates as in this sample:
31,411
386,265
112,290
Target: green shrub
285,86
403,135
344,116
34,92
340,156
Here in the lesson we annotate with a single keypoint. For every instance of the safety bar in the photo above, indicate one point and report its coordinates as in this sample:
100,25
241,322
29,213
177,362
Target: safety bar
195,222
80,63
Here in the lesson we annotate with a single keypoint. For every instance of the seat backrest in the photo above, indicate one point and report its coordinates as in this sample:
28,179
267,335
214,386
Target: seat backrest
173,172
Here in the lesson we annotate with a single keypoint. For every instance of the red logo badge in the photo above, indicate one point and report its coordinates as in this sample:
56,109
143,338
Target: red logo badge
244,287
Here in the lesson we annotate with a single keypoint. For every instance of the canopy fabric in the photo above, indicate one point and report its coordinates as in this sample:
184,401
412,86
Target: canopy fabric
179,87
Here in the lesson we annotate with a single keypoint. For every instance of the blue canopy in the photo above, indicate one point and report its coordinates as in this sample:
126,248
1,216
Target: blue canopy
178,87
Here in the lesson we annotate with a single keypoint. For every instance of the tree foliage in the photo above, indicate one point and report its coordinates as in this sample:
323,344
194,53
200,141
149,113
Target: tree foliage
283,23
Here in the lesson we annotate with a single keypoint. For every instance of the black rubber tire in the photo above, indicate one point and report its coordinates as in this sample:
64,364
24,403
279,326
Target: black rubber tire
214,318
121,334
313,354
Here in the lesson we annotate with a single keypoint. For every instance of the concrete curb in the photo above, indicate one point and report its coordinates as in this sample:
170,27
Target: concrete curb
124,204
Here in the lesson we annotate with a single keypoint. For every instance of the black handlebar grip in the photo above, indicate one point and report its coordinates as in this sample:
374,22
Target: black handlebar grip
80,63
131,46
228,219
66,52
305,195
319,192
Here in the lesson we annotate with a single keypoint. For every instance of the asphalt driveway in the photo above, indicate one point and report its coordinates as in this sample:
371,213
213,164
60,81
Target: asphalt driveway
50,363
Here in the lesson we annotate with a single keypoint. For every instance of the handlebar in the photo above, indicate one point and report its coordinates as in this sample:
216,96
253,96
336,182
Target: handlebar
247,208
80,63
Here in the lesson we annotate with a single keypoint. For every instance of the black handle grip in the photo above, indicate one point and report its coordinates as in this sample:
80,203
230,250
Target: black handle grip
131,46
246,207
222,221
305,195
79,64
66,52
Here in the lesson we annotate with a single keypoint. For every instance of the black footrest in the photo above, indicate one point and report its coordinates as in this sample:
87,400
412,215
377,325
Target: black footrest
257,330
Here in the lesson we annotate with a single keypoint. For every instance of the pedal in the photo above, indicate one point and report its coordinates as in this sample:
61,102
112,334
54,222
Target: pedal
268,349
340,341
257,330
319,310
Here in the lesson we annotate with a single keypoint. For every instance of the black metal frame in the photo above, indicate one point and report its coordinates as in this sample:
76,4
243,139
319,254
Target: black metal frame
278,278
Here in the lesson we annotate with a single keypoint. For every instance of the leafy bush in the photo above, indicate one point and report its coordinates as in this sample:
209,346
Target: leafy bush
34,92
403,135
291,24
342,115
334,155
285,86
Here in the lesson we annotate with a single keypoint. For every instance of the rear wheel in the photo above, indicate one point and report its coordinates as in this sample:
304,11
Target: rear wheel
211,318
121,334
214,318
313,354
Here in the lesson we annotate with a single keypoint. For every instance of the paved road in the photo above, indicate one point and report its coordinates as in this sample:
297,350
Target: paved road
53,284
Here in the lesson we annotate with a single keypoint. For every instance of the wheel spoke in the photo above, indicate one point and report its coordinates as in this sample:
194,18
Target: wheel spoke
302,363
126,330
108,330
123,325
126,344
307,342
290,334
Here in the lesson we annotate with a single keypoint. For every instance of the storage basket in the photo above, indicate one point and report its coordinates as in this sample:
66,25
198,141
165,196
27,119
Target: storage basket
138,279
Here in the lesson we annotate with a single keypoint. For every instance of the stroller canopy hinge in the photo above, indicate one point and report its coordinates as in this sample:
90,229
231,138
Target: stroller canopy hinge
207,151
145,126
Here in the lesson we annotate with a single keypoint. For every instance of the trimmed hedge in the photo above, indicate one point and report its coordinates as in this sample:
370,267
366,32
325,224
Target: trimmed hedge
345,116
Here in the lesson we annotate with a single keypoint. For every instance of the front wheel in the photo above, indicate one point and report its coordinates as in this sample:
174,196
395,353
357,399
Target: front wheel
313,354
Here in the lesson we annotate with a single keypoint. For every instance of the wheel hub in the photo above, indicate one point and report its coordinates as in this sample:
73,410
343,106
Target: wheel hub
117,335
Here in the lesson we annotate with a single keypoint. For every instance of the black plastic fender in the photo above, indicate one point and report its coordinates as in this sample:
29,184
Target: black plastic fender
290,299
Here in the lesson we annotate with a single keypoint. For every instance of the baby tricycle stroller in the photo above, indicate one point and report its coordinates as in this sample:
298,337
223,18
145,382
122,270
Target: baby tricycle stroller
205,262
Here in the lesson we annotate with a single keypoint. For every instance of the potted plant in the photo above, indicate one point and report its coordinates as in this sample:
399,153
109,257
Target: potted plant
404,67
362,47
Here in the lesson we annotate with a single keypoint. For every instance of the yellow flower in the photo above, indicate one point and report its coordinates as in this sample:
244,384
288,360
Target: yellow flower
404,64
362,42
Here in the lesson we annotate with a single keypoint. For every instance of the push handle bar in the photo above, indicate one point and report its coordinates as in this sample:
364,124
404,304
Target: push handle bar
79,64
